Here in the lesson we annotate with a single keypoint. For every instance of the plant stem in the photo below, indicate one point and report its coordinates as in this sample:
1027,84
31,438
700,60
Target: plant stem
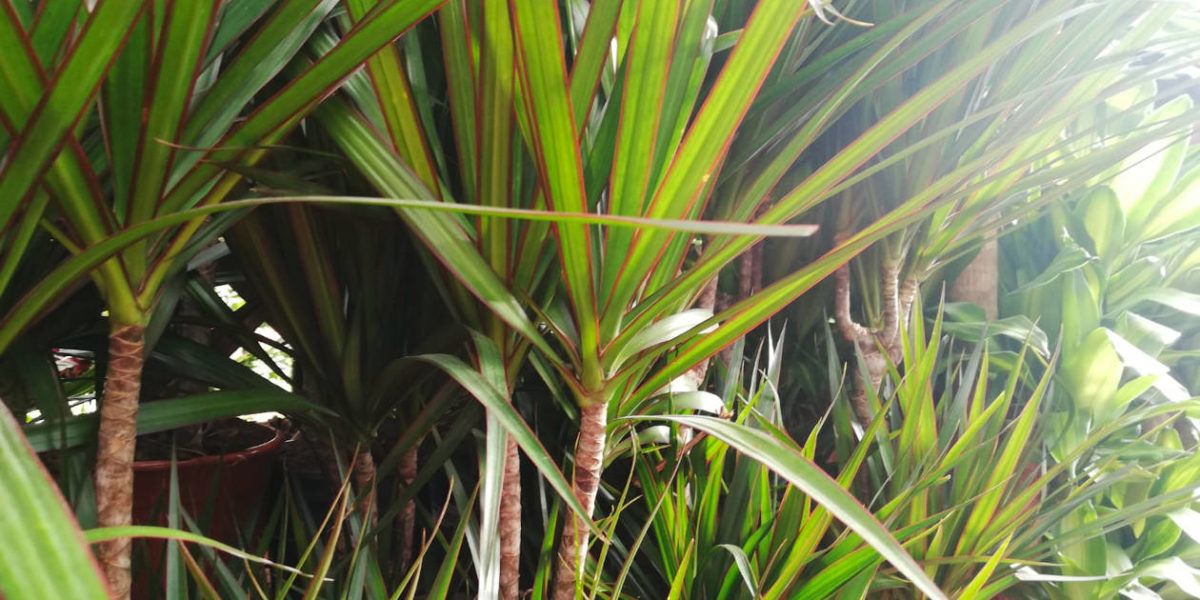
979,281
510,523
873,344
114,456
408,516
364,480
851,331
589,457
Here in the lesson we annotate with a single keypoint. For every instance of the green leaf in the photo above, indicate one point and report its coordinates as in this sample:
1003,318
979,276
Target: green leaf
1104,221
184,36
43,131
1188,521
1018,328
555,145
694,400
749,577
44,554
1092,372
1179,211
397,103
692,168
647,63
244,74
1149,335
1145,365
1147,175
497,405
1080,308
54,21
445,574
663,331
981,578
1184,302
164,415
104,534
790,463
1178,572
284,110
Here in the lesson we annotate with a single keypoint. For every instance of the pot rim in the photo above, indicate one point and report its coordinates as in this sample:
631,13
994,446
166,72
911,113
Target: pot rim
268,446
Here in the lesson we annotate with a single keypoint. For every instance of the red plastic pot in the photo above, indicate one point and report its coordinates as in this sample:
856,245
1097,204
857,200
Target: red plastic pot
231,485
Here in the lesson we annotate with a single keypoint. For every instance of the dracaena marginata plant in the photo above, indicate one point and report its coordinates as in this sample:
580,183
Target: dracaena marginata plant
118,114
546,113
341,288
598,346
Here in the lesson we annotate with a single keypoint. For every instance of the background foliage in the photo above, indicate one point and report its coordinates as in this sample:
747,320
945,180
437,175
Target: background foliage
613,299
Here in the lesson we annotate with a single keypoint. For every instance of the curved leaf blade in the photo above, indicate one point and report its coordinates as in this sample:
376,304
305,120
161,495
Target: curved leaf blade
44,554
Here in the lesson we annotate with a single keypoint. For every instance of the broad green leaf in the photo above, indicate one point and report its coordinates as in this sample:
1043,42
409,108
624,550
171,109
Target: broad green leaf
1104,221
1179,211
1147,175
1124,288
1147,334
661,332
1176,299
1177,571
1018,328
1145,365
1188,521
694,400
1080,308
1091,373
44,554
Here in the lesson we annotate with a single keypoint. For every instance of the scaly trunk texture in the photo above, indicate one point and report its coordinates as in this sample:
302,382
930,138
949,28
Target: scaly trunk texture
364,480
589,458
408,515
510,524
979,282
862,338
114,455
707,300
